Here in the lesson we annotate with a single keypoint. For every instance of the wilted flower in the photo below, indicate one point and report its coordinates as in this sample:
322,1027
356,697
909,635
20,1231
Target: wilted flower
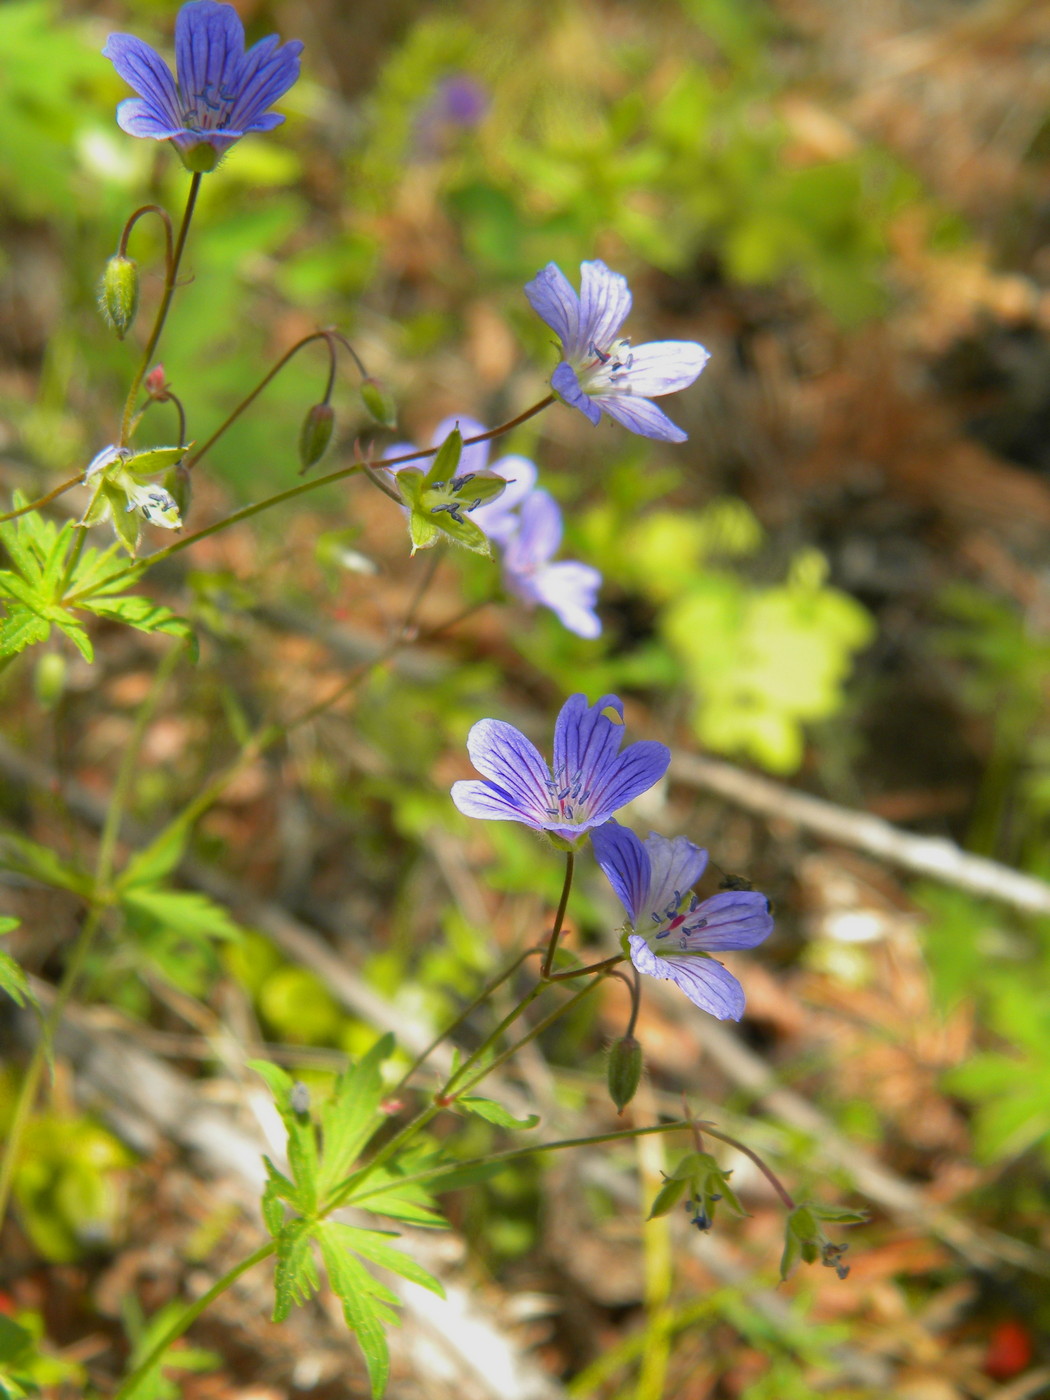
600,370
568,588
672,931
222,92
592,778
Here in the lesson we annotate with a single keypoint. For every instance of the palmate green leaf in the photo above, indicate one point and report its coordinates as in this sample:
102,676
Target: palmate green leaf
184,911
351,1115
73,630
21,628
365,1304
142,614
372,1244
302,1138
13,979
23,590
279,1190
41,863
493,1112
295,1275
17,1350
411,1204
158,859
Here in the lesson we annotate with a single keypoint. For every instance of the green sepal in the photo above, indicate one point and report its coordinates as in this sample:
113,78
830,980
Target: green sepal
443,467
152,460
127,523
668,1196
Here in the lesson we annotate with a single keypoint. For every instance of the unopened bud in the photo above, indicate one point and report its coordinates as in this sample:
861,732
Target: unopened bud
625,1071
315,435
49,678
379,401
118,293
155,385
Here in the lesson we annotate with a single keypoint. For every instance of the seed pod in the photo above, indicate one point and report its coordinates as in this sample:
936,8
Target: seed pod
379,401
118,293
625,1071
315,435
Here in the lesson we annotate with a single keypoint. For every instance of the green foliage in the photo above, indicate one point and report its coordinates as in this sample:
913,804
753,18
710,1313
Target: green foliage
13,980
67,1181
24,1366
761,661
40,160
154,1384
319,1172
994,959
52,579
667,142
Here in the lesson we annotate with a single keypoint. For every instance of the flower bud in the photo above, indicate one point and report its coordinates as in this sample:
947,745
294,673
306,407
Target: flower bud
379,401
155,386
315,435
49,678
625,1071
118,294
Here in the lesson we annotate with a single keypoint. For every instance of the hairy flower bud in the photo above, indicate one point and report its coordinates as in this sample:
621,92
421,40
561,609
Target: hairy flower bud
315,435
118,293
624,1071
379,401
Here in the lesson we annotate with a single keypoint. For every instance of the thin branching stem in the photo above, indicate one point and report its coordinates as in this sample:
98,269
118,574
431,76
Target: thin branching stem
515,1154
43,500
300,489
170,279
169,236
559,917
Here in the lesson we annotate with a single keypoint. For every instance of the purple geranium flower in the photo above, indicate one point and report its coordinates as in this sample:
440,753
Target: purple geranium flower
591,779
568,588
222,92
672,930
599,369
